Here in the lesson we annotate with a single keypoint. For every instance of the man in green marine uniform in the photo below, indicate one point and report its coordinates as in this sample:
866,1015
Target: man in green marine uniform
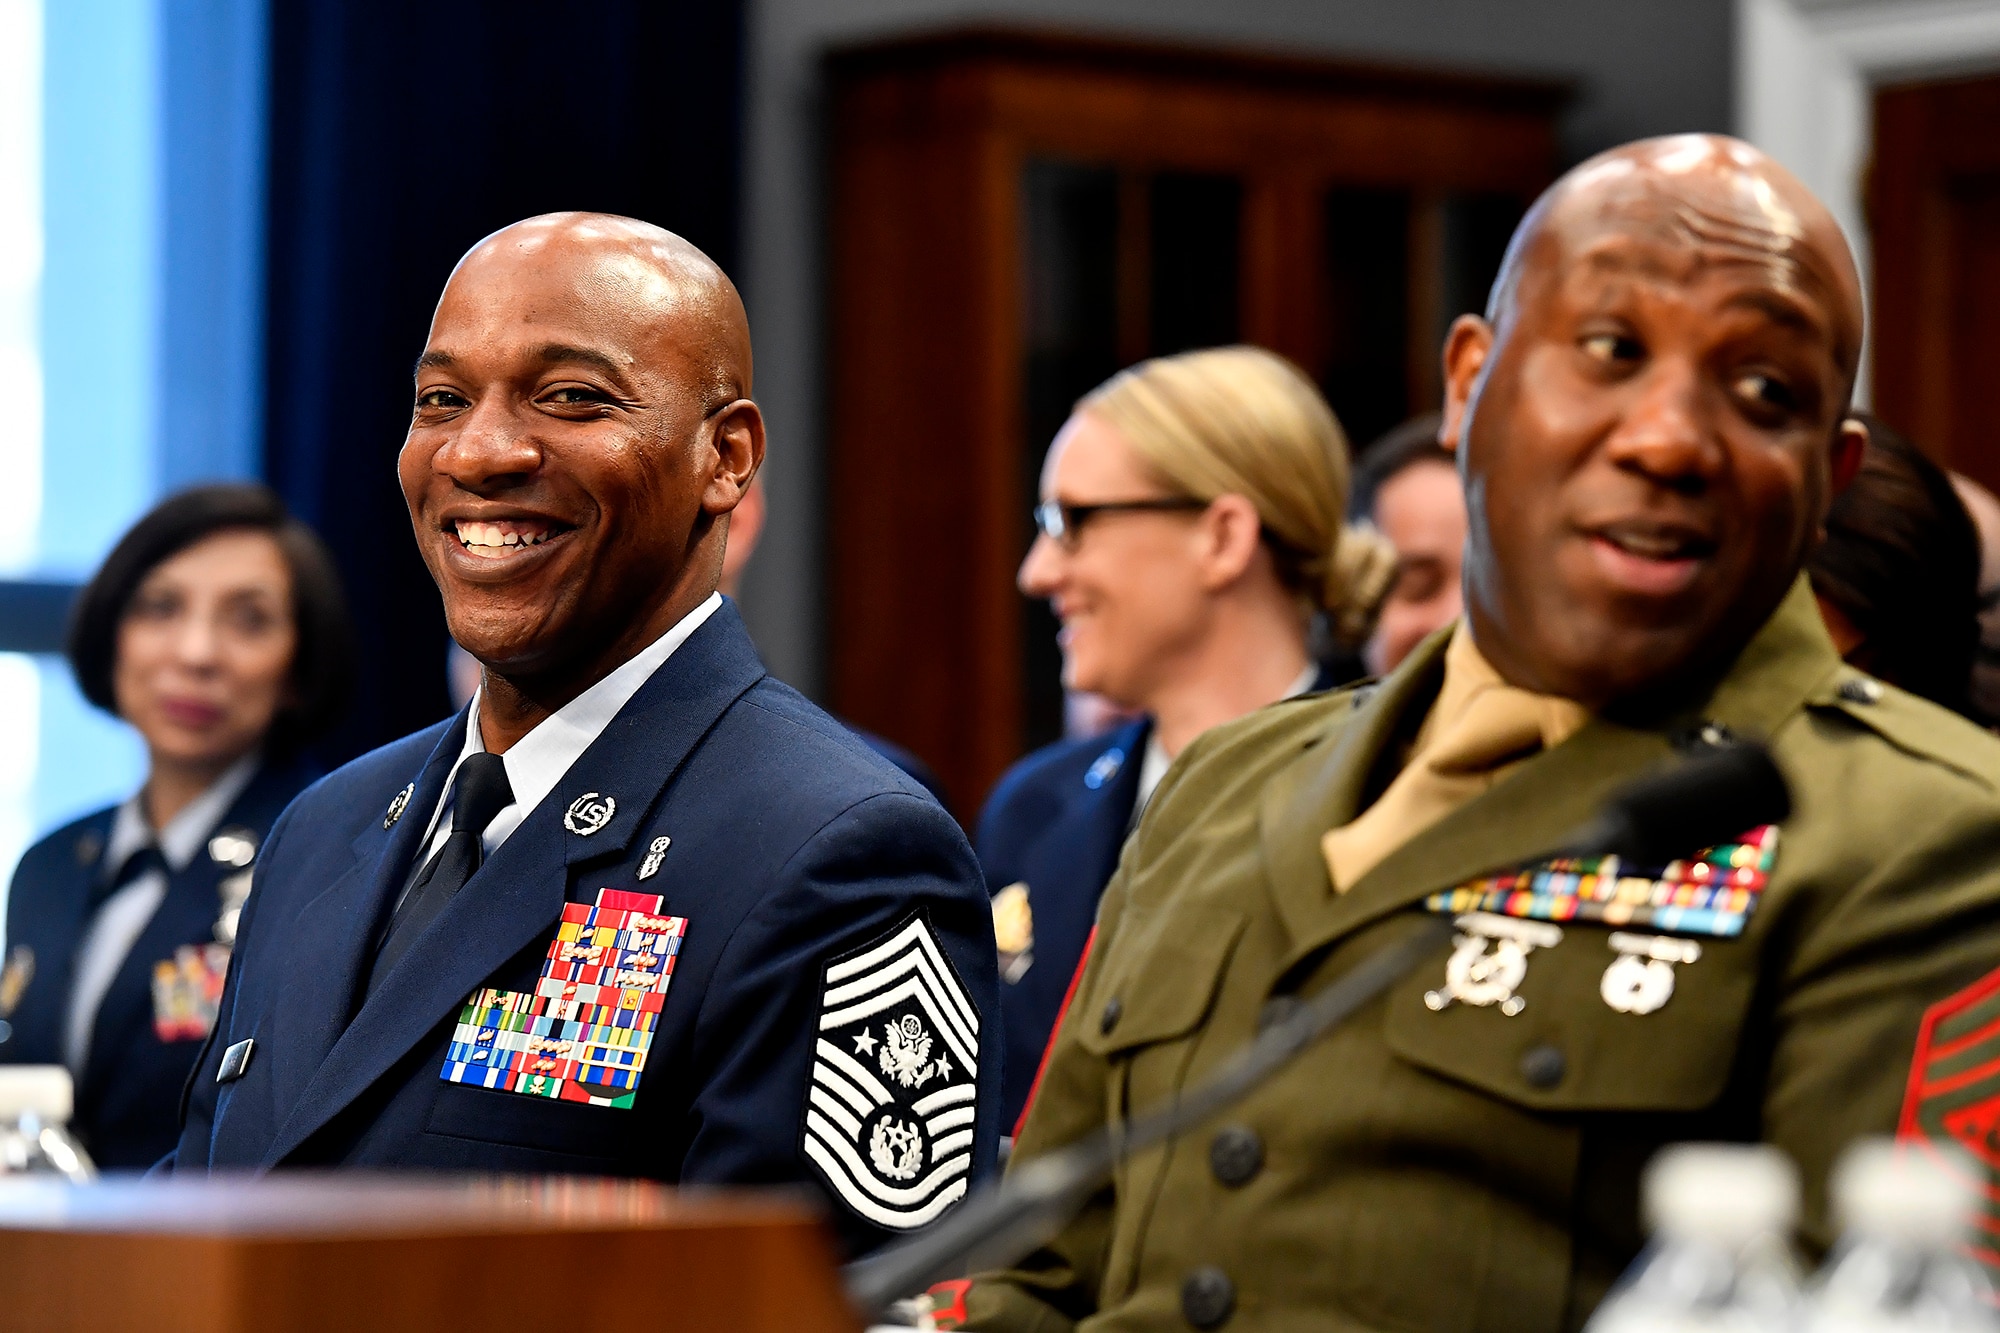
1650,421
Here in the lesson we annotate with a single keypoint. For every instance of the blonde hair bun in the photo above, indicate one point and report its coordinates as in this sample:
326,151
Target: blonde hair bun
1244,421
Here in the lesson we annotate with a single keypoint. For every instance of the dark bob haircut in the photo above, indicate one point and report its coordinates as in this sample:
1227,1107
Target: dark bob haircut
1901,562
323,663
1413,442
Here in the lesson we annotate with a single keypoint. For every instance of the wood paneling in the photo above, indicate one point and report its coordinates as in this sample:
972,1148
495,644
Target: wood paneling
1934,211
928,142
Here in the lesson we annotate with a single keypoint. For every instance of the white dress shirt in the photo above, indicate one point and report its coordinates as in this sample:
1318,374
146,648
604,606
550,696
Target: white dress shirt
124,916
537,762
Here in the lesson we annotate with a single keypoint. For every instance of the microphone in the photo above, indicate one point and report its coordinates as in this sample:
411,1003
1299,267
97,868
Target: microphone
1704,801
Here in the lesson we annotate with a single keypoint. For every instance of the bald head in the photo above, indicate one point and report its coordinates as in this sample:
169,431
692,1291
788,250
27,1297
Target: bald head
1712,200
648,271
583,429
1652,420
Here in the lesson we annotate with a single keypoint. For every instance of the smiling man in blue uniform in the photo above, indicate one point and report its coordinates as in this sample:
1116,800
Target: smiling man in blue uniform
640,909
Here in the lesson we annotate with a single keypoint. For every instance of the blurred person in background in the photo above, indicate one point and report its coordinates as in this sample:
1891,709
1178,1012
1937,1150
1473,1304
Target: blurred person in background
1984,507
746,525
1897,575
218,630
1190,531
1406,487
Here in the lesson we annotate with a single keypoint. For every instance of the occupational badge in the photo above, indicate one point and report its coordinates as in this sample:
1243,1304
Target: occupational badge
187,991
654,855
588,813
398,805
583,1033
890,1109
1489,961
1641,978
1014,931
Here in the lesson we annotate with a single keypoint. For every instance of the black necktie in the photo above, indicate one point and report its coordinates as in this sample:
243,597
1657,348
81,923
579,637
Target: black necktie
481,792
138,863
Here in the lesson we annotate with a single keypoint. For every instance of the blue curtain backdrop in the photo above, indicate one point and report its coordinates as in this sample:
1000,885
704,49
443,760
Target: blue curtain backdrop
399,135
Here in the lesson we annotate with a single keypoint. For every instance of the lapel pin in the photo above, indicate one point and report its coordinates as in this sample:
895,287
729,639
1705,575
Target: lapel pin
14,978
397,806
654,855
234,846
236,1061
589,813
88,848
1105,769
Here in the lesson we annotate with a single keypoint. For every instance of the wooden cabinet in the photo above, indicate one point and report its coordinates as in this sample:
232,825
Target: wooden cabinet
1934,211
1014,217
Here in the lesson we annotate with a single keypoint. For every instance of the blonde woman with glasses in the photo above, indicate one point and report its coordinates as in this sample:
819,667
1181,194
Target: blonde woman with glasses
1190,532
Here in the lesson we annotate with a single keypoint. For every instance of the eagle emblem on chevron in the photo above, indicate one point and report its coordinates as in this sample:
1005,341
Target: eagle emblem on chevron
891,1104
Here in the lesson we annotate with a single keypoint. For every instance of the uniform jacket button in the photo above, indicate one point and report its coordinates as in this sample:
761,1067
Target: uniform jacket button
1208,1297
1236,1155
1860,690
1114,1009
1543,1066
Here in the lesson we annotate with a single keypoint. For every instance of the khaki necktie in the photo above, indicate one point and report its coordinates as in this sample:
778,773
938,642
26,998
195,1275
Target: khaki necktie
1483,727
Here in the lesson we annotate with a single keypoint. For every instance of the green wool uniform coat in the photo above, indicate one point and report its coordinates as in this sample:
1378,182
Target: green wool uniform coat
1464,1169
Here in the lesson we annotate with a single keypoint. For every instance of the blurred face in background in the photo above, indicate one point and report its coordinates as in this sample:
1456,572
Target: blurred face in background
205,650
1127,586
1421,510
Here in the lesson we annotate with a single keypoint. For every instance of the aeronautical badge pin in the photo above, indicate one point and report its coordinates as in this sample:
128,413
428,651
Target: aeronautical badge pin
233,846
1641,979
654,855
589,813
890,1109
1489,961
397,806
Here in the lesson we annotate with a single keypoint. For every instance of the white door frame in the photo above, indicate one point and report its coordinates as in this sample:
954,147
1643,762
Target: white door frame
1805,71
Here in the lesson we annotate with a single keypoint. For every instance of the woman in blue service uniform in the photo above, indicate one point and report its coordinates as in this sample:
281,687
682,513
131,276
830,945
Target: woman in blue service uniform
1190,533
216,628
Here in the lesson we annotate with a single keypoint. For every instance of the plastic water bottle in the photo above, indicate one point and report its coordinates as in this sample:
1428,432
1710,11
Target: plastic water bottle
1905,1210
1719,1261
35,1105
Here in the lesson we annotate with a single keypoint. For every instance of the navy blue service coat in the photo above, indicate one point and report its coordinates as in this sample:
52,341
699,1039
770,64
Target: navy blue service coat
826,901
1056,824
128,1094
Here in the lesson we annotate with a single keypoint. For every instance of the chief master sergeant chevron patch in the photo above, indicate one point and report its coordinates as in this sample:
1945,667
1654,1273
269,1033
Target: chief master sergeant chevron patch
889,1111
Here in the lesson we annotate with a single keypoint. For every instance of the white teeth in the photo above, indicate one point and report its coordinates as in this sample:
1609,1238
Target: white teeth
491,539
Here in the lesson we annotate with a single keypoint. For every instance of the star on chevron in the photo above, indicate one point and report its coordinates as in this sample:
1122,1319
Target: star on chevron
864,1044
943,1067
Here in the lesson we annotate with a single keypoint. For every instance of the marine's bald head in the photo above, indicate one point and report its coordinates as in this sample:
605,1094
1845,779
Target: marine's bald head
1653,418
1714,200
582,430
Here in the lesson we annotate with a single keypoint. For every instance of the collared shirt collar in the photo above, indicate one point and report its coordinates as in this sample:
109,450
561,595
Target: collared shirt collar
1154,765
185,832
537,762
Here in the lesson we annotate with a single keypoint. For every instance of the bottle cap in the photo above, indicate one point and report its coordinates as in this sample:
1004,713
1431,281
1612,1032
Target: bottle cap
1905,1191
1725,1192
46,1090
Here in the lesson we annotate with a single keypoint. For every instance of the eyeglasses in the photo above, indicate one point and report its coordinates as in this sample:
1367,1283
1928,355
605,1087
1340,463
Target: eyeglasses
1063,523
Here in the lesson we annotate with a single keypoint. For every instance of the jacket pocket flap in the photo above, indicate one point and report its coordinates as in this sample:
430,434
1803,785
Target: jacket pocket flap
1566,1046
1159,990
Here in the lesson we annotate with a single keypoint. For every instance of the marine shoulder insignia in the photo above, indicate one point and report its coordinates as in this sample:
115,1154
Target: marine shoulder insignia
892,1101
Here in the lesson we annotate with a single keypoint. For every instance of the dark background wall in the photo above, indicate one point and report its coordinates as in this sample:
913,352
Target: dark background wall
399,135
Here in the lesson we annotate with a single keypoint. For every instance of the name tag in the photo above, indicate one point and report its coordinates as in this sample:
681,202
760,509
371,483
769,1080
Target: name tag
1710,893
583,1033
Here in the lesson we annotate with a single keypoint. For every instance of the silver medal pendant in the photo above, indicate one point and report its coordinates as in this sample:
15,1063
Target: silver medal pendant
1641,979
1489,961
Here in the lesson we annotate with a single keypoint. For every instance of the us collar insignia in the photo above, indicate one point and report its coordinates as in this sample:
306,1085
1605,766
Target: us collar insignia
397,806
583,1033
233,846
589,813
654,855
1105,769
1710,893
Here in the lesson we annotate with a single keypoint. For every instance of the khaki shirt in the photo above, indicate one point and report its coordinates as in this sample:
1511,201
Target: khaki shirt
1463,1168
